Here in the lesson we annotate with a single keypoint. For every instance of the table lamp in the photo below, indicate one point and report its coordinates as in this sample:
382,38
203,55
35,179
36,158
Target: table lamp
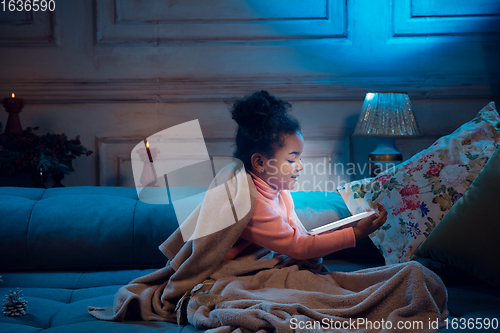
386,115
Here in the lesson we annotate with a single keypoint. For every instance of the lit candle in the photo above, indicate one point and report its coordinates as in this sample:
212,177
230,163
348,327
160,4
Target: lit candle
149,152
152,152
13,106
148,172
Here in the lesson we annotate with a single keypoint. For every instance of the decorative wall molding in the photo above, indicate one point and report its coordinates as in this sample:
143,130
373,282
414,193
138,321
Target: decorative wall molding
113,160
323,160
217,89
156,23
413,18
27,29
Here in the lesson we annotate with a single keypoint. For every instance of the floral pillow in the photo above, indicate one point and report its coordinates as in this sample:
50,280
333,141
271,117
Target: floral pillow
418,192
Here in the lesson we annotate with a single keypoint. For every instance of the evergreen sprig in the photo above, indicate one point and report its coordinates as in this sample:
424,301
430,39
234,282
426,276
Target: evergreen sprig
29,152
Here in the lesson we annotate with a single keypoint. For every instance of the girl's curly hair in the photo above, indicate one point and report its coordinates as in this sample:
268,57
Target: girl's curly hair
263,122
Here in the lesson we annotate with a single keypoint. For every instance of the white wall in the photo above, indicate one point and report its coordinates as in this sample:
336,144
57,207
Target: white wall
116,71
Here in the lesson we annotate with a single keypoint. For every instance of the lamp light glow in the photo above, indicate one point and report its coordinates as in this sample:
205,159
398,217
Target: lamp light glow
386,115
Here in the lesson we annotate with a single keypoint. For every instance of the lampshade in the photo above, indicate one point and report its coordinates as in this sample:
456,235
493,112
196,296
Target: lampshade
387,114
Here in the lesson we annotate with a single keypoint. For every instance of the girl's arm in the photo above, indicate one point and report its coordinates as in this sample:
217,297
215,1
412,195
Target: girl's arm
270,230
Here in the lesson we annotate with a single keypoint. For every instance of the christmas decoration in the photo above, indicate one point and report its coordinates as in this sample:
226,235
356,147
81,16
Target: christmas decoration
13,106
15,304
30,153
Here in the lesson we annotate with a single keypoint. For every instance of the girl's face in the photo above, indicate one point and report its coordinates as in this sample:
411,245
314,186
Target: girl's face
282,170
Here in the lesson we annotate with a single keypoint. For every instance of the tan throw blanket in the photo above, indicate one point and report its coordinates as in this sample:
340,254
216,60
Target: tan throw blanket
262,291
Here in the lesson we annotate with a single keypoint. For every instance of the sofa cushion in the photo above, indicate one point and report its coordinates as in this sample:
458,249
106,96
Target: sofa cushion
81,228
73,228
466,236
58,302
316,208
102,228
15,211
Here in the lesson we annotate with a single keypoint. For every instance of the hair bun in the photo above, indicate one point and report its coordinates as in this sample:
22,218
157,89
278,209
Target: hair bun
259,114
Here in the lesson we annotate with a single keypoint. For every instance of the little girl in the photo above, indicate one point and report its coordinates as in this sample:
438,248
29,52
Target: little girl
269,143
262,291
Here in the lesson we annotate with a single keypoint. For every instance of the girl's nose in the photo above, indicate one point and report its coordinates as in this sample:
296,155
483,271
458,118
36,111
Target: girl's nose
299,166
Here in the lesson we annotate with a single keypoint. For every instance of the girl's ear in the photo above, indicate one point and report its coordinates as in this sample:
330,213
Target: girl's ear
257,163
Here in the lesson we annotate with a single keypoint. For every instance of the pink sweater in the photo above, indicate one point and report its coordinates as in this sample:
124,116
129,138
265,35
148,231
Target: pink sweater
274,226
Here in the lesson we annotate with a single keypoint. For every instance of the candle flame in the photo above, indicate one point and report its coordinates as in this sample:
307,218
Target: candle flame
147,144
13,95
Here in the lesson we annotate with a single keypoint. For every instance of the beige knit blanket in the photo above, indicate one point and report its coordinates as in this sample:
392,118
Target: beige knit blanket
262,291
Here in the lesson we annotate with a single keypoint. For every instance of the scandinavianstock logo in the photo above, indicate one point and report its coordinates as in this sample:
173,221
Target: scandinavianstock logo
173,166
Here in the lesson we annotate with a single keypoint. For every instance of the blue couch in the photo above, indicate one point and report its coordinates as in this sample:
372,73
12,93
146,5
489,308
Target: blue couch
68,248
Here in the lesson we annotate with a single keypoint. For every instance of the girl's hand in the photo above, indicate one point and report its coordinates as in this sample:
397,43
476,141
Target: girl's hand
371,223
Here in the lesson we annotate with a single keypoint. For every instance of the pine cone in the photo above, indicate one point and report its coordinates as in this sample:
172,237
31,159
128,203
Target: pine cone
15,304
